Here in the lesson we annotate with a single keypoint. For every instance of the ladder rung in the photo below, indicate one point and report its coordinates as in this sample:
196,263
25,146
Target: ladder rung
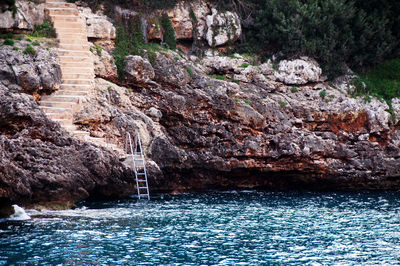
142,166
141,180
142,187
143,195
140,173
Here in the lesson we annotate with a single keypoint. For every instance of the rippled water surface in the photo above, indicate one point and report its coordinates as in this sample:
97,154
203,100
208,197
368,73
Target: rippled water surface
216,227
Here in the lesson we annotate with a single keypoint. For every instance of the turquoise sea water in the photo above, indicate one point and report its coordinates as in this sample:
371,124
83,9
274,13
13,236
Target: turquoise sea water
213,228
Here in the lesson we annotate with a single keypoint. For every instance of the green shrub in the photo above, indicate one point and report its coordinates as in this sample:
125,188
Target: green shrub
168,31
219,77
334,32
30,50
282,104
322,94
190,71
294,89
8,42
246,101
16,48
44,30
382,81
97,48
36,43
244,65
123,48
7,35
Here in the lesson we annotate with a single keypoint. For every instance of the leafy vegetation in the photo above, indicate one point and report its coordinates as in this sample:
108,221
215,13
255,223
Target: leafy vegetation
282,104
97,48
8,42
382,81
244,65
294,89
190,71
219,77
335,32
322,94
247,101
44,30
168,32
29,50
36,43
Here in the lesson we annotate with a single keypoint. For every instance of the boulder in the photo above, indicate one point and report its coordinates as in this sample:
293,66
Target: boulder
28,14
138,69
104,64
29,73
98,25
299,71
222,27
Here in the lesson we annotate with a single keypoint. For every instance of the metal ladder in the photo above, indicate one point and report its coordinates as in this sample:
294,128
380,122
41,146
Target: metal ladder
139,166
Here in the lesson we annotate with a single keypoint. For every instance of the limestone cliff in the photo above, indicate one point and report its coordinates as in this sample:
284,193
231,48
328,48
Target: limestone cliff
212,122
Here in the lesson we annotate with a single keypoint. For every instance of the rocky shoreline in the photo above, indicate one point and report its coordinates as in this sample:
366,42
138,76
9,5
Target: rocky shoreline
215,122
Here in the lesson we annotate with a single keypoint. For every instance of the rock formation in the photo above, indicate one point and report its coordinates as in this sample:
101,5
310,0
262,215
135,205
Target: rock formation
216,122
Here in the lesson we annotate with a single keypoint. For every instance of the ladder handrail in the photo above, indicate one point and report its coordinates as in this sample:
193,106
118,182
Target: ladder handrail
134,151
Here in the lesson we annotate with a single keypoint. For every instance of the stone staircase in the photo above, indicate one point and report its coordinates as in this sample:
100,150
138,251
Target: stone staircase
77,70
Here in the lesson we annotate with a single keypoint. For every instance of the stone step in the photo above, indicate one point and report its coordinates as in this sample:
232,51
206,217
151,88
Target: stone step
53,11
77,76
51,109
79,134
60,4
75,64
71,35
70,53
69,25
70,31
63,98
64,115
72,92
63,121
77,70
78,40
74,47
76,87
77,81
71,105
75,59
66,19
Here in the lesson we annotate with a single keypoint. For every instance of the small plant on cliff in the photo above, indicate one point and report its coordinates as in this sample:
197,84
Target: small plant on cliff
282,104
294,89
44,30
244,65
190,71
168,32
123,48
322,94
36,43
8,42
246,101
30,50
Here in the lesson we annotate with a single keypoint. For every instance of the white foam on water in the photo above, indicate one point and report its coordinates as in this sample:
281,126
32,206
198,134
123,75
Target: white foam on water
19,214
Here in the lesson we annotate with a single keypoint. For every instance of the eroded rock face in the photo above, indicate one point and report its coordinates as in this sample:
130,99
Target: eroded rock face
223,135
98,25
42,166
29,73
104,65
28,14
138,69
222,27
299,71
